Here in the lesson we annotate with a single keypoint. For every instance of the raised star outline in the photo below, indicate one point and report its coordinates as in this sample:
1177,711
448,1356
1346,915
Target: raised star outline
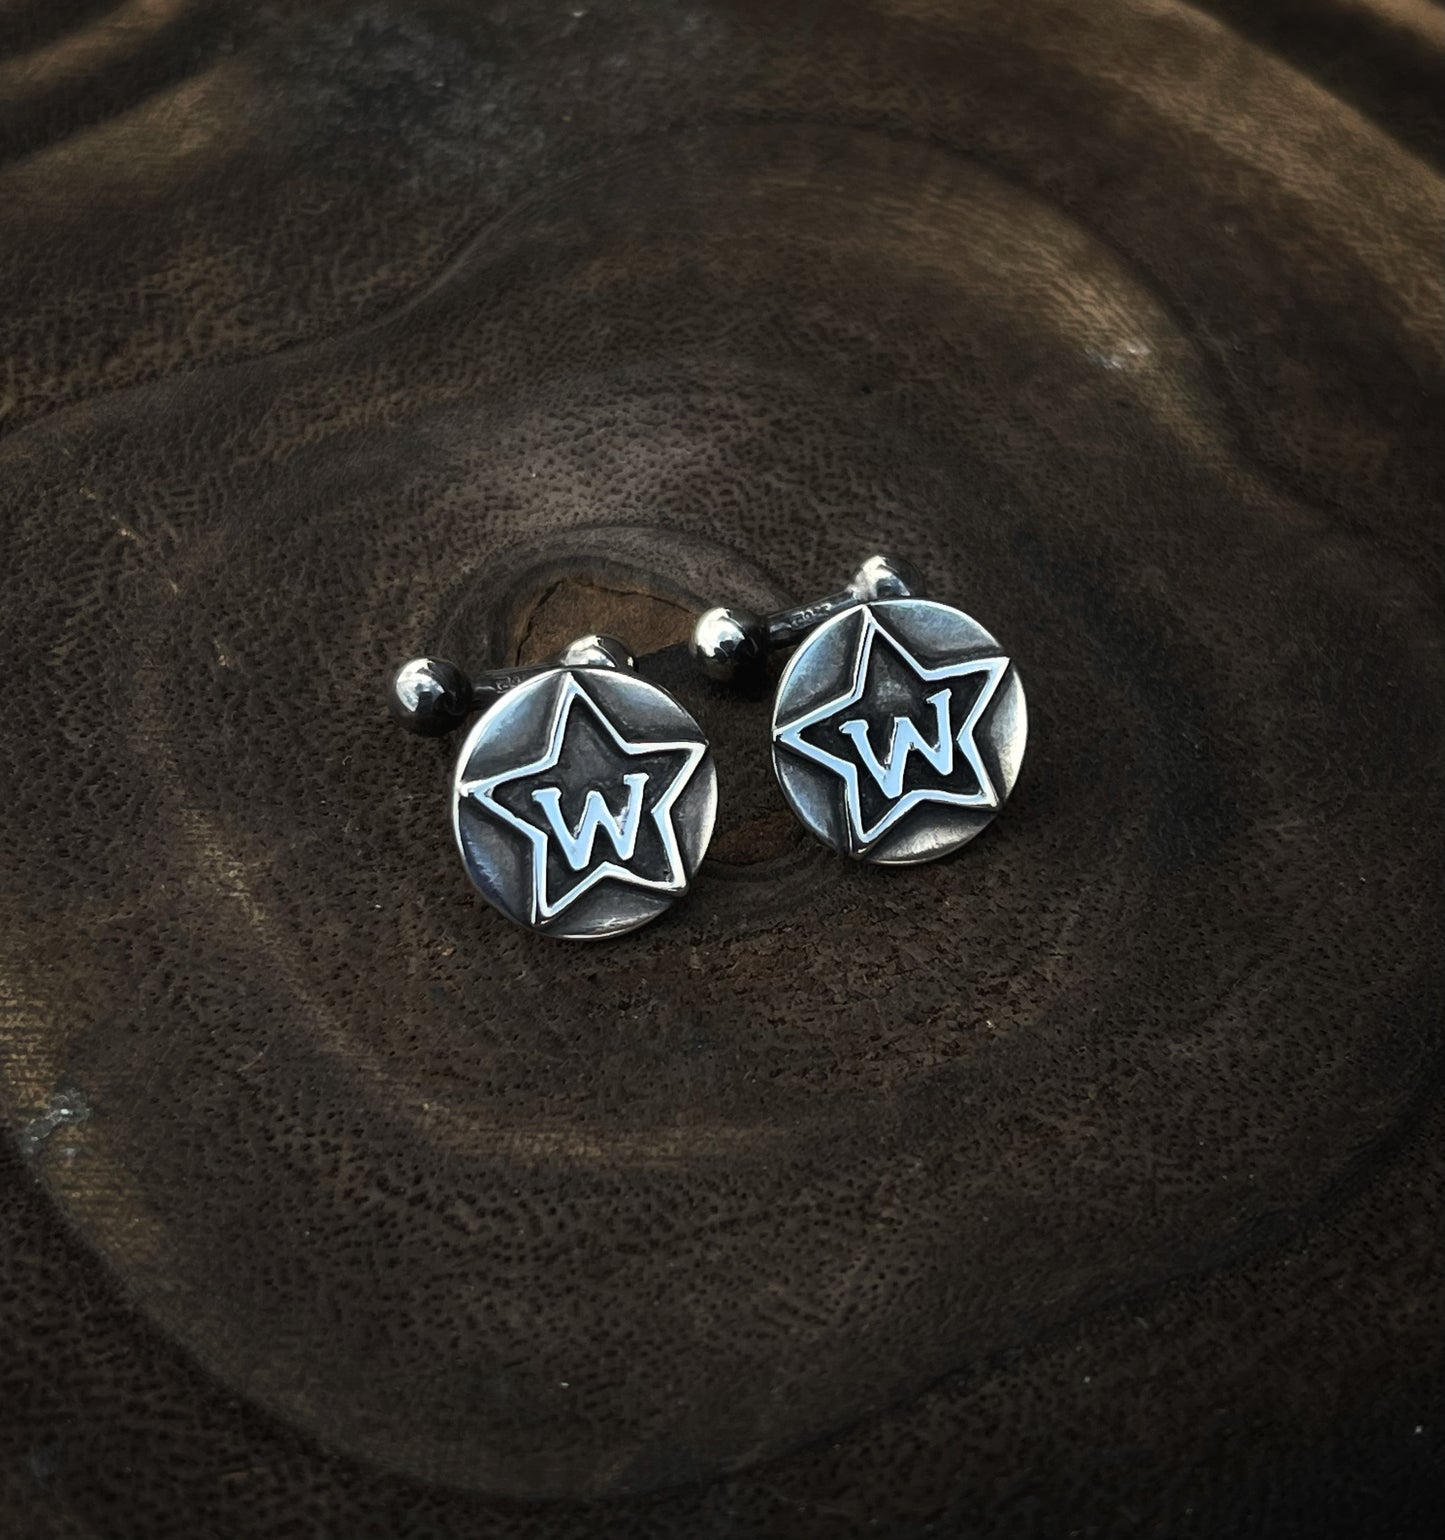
482,790
790,734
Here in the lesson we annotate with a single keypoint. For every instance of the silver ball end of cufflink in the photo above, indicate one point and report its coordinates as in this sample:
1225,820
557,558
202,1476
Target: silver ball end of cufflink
886,577
429,696
594,651
729,642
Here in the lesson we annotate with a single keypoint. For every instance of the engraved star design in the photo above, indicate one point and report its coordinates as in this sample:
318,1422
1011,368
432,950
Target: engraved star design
887,693
654,859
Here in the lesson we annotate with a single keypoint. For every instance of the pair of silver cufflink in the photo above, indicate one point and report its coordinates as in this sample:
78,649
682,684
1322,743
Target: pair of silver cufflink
584,795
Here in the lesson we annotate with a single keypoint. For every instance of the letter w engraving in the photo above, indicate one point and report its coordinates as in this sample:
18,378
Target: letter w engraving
906,738
620,829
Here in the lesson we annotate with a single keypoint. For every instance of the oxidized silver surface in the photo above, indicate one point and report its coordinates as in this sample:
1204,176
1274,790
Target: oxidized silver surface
583,801
898,730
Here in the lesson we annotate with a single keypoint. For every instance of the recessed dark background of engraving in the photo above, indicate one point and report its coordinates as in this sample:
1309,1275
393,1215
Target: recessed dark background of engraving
1090,1181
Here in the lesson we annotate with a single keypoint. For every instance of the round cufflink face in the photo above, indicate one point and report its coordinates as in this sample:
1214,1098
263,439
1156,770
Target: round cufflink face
898,730
583,802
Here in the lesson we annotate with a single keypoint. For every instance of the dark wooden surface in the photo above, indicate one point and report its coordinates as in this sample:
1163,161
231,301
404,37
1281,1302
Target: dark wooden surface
1087,1184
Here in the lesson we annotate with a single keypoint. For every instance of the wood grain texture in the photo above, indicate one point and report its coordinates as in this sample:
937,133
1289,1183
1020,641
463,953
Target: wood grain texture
1089,1182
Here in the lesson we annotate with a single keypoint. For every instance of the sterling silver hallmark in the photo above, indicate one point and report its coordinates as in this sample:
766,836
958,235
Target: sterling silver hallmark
583,797
899,724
